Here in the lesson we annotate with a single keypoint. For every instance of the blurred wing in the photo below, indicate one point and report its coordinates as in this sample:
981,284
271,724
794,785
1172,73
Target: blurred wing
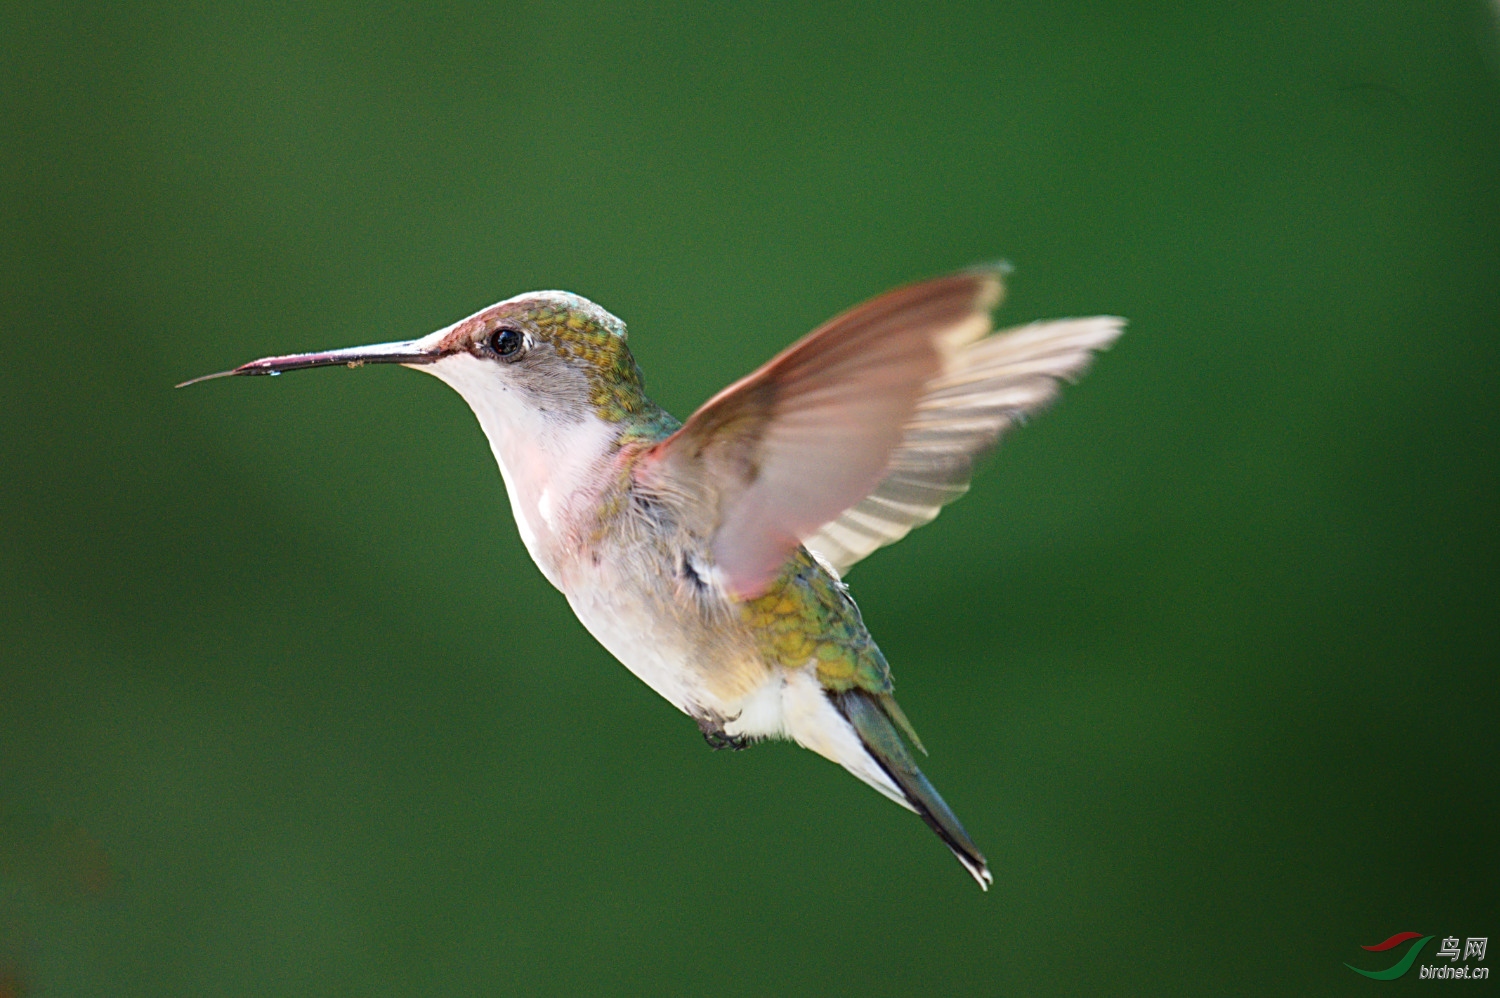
990,386
863,428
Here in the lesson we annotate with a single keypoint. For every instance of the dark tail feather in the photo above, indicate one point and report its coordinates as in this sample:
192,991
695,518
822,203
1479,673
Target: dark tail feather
881,740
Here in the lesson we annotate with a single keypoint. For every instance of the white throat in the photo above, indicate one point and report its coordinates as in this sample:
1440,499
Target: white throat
547,461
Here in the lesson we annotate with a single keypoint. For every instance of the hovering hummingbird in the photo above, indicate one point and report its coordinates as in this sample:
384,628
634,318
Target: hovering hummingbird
707,556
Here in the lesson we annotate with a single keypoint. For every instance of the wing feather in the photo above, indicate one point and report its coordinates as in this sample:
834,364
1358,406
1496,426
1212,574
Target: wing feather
991,386
867,426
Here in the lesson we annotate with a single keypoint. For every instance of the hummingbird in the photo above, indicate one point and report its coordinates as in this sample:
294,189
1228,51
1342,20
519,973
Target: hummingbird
708,556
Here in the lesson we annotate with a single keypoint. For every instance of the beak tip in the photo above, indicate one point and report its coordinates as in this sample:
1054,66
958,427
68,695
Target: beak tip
204,377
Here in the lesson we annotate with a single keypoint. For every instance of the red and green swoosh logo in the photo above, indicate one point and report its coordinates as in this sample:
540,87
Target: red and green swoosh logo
1402,965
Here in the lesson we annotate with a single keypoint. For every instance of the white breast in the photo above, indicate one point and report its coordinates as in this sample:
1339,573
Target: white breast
544,460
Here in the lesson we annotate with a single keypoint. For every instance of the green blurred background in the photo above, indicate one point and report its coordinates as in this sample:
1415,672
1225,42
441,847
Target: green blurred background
1206,660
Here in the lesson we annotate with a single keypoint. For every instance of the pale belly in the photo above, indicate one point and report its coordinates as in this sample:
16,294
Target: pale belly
632,634
703,668
631,596
705,673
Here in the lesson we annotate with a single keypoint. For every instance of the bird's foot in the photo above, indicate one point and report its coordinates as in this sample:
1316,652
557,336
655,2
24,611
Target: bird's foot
719,739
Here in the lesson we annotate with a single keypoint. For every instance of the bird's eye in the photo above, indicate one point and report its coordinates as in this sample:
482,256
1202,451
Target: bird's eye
506,342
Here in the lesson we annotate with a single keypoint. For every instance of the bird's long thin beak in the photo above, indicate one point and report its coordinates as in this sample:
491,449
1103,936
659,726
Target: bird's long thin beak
423,351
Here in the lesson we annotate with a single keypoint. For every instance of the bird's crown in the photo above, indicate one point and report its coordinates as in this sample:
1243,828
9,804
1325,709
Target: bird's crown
574,330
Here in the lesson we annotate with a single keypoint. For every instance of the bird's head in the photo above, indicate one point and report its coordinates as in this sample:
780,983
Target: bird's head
550,354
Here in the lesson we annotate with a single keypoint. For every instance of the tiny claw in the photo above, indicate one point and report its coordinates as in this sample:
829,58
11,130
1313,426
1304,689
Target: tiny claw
718,739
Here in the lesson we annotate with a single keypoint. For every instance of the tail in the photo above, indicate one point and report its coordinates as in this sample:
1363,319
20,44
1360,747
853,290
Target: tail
875,729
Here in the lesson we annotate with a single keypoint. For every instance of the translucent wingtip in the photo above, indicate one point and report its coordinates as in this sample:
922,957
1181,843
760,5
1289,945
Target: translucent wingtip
1002,267
993,290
